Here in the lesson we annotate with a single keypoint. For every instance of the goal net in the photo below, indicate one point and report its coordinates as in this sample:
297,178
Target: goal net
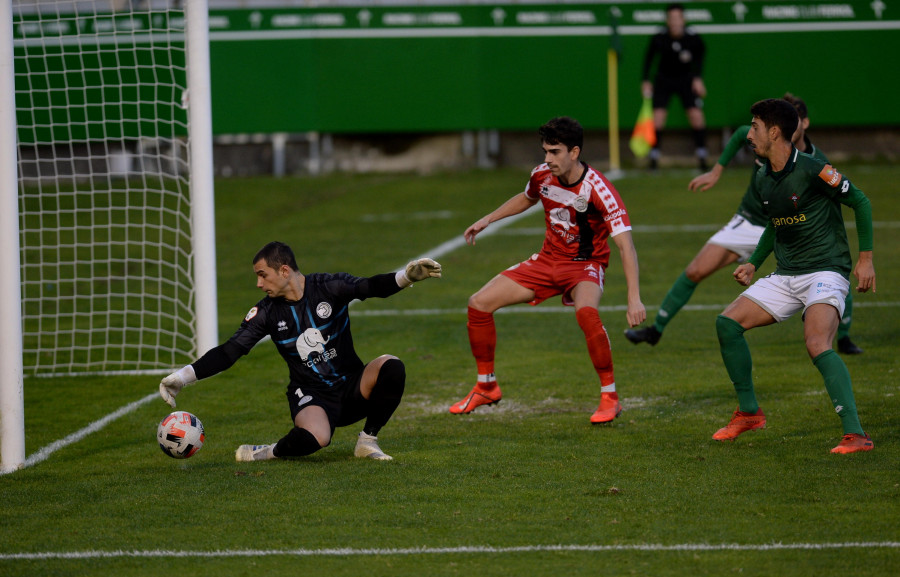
107,237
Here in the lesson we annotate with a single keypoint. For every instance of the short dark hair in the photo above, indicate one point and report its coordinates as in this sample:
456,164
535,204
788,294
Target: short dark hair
675,6
563,130
777,112
798,104
277,254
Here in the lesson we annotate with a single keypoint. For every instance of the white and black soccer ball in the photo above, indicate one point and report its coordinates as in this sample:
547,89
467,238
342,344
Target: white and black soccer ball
180,435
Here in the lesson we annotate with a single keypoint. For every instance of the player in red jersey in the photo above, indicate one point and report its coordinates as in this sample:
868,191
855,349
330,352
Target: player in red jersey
581,210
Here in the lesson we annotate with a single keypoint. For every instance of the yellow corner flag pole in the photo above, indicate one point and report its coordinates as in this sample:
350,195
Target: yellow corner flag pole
612,54
615,162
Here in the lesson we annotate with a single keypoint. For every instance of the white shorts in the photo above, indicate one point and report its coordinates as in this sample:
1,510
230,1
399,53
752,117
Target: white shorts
782,296
738,236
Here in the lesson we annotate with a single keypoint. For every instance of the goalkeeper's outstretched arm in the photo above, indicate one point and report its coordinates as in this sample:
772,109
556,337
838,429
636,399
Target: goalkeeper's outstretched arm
213,362
418,270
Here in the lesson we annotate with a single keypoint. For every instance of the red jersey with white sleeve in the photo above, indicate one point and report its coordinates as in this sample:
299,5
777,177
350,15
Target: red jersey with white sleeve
580,217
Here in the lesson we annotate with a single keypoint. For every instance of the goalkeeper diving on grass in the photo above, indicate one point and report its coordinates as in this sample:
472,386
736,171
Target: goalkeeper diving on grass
307,318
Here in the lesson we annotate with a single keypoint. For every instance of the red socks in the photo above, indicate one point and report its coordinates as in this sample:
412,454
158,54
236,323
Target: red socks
597,345
482,339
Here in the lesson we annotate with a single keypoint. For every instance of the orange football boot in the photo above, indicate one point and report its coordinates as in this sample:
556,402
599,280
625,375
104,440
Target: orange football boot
741,422
609,409
481,394
854,442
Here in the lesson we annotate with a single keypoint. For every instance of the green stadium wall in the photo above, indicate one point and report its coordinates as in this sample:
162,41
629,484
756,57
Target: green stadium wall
353,69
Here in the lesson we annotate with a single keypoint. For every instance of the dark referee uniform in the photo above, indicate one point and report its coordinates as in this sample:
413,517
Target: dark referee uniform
313,336
680,61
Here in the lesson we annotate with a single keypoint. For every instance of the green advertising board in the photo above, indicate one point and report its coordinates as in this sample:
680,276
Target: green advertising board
512,66
443,67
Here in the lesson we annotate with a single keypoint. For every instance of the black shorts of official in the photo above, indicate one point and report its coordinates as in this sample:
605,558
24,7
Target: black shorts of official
343,404
665,87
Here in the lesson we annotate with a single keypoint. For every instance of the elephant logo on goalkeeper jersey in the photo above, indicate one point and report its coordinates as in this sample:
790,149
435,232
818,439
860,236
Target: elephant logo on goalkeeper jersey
311,341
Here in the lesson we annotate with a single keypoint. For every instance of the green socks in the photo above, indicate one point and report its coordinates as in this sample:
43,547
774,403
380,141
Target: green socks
738,363
676,298
837,383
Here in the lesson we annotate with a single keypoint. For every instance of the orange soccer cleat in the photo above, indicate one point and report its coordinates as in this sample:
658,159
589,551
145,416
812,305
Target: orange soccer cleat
481,394
741,422
854,442
609,409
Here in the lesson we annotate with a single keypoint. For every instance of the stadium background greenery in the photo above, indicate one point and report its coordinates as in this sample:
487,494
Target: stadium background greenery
529,472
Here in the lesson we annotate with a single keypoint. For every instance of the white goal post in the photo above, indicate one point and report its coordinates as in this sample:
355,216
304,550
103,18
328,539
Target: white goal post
107,235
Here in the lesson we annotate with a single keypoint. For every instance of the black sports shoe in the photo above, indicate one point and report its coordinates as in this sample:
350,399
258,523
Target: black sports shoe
645,335
848,347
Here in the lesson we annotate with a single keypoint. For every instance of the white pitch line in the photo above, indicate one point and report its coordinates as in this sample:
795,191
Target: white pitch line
460,241
410,551
667,228
566,310
45,452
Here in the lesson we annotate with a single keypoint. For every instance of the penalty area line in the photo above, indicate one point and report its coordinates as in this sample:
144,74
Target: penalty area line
411,551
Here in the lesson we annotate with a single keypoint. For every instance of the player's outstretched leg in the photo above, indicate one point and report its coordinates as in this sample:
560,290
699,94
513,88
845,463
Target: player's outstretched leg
679,294
483,341
739,364
254,453
597,340
299,442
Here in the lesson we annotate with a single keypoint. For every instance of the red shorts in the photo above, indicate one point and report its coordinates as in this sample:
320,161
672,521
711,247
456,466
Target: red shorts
548,277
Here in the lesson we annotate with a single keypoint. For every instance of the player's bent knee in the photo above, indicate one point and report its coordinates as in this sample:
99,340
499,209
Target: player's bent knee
477,302
298,443
817,345
728,329
392,375
587,317
696,274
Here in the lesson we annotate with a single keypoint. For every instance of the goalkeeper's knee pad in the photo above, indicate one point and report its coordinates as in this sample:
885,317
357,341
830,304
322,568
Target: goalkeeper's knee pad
297,443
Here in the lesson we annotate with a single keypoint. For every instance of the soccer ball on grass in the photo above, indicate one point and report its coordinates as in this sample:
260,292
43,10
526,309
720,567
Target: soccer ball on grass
180,435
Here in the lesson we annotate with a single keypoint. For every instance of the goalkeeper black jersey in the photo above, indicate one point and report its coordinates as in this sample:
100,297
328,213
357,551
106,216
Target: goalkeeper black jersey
312,334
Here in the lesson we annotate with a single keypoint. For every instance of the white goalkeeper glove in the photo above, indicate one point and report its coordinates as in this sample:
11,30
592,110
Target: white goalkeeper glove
171,385
419,269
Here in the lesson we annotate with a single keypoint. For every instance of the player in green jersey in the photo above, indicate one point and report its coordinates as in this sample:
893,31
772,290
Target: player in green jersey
801,197
736,240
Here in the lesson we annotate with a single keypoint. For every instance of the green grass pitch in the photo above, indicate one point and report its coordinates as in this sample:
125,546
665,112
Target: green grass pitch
494,492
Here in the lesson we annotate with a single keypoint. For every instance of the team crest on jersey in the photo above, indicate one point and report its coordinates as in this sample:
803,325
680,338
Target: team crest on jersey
580,204
323,310
795,199
561,217
830,176
251,313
